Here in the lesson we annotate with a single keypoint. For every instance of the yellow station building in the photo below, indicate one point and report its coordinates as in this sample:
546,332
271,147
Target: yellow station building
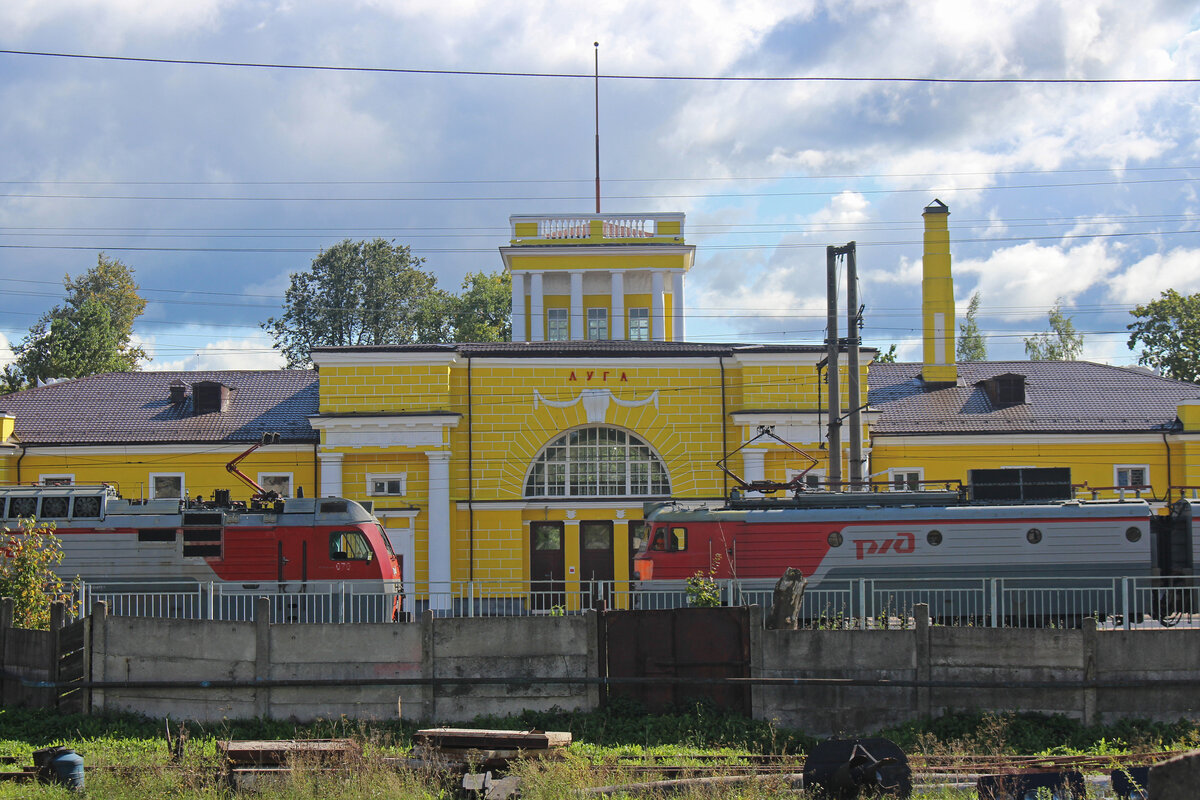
494,465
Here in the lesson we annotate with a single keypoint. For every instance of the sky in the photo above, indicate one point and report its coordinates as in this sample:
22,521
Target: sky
214,182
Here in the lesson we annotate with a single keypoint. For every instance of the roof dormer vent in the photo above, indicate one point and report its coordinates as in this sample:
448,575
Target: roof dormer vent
210,397
1005,390
178,392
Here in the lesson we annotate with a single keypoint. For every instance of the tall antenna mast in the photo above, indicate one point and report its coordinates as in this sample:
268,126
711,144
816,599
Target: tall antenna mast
597,94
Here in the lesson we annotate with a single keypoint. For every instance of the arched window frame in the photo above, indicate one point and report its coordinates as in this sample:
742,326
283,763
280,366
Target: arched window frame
642,472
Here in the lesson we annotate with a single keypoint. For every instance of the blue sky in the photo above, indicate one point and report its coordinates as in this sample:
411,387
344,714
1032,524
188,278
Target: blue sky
214,182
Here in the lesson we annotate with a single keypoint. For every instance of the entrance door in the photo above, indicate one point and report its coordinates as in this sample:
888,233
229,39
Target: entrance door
546,568
596,562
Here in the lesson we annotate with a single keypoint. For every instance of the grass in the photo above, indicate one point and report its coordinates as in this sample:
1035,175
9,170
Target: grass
128,757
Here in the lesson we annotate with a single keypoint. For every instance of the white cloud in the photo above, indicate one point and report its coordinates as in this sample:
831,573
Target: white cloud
252,352
1025,281
1145,280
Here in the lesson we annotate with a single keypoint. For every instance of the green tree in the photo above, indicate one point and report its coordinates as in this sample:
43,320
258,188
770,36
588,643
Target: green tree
888,357
1060,343
971,346
28,557
358,293
482,313
90,332
1168,329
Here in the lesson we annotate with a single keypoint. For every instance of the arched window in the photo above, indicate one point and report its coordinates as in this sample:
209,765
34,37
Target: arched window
597,462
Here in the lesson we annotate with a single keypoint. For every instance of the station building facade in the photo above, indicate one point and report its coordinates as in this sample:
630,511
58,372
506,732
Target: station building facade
531,460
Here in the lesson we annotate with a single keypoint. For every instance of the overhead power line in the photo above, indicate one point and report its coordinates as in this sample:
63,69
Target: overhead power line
593,75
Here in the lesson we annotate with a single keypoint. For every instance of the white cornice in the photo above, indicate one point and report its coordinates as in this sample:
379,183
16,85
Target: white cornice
600,363
632,508
441,358
800,360
882,441
385,421
199,449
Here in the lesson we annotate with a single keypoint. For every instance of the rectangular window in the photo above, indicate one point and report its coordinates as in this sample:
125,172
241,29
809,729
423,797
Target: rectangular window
56,480
812,479
597,324
905,480
382,485
639,324
349,546
558,325
166,485
280,482
1132,475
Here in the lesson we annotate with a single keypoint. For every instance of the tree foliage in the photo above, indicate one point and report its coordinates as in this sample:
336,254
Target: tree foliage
91,332
1061,343
482,313
377,293
888,356
1168,329
971,345
28,557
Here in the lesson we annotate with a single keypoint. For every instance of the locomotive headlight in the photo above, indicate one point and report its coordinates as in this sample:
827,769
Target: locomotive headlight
1133,533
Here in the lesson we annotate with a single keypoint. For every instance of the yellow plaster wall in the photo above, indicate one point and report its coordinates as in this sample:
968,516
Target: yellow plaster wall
203,471
375,388
1090,462
685,428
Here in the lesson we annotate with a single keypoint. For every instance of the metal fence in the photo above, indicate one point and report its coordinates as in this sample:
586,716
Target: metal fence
865,604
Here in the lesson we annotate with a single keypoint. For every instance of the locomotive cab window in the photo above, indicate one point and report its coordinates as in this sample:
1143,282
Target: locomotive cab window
669,540
348,546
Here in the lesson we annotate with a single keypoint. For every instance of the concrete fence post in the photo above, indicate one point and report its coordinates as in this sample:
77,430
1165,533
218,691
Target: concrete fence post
924,658
6,623
58,619
262,656
428,665
592,618
98,670
1089,643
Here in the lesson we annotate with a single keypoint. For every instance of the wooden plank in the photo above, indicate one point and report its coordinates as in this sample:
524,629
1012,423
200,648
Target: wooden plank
481,739
71,637
266,752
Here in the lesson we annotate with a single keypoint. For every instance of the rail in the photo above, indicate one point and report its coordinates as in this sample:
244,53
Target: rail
1127,603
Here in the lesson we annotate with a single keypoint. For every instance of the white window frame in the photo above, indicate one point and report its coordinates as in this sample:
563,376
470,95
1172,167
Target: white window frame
639,324
291,487
1126,468
182,484
68,477
597,324
907,473
402,477
812,479
560,317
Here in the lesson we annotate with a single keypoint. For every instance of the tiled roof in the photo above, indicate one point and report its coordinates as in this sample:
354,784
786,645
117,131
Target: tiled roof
1060,397
134,407
578,349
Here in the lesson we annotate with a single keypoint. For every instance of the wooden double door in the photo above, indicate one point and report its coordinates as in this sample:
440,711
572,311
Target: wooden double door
548,567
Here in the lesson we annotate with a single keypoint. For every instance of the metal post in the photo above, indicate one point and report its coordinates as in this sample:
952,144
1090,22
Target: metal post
470,598
342,602
862,603
853,389
212,606
995,582
831,370
1126,611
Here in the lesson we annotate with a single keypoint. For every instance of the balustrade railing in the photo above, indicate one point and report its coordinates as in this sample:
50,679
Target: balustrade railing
866,604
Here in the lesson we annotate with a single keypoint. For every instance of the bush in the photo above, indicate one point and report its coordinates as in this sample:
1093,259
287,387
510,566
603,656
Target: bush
28,557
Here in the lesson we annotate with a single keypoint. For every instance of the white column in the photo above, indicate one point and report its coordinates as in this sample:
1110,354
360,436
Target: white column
618,306
658,324
438,546
518,307
331,474
754,468
577,329
537,314
677,334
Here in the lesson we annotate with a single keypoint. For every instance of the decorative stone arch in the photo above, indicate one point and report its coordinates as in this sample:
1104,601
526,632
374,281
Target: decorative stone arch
597,461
